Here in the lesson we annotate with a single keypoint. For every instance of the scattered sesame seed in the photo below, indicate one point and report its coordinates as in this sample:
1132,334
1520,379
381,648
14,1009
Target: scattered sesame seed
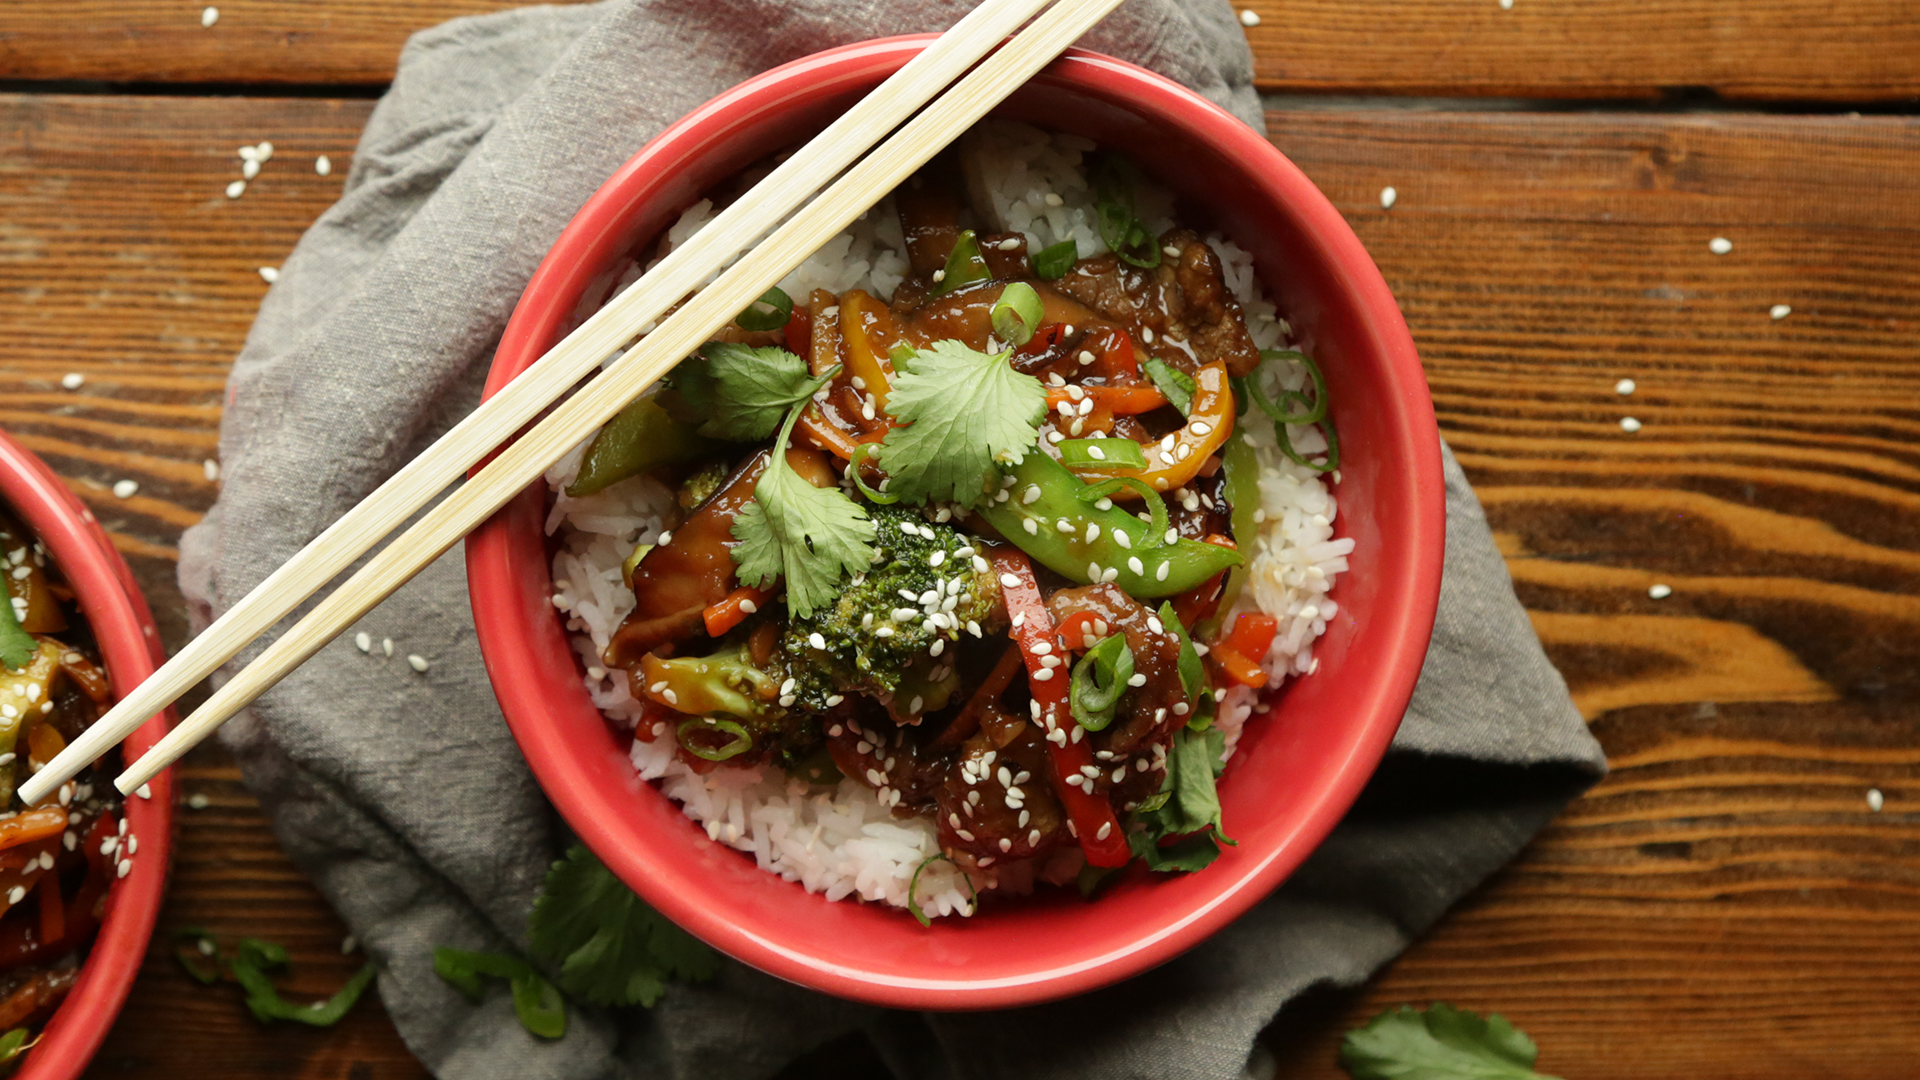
817,641
16,894
234,189
1660,592
672,698
417,662
1096,453
250,168
123,869
749,607
1506,5
124,489
1053,199
939,275
265,150
1629,425
363,641
1043,675
1388,197
323,165
1875,800
915,705
1625,387
1249,17
211,468
209,15
1719,245
1780,311
72,380
269,274
198,801
1161,574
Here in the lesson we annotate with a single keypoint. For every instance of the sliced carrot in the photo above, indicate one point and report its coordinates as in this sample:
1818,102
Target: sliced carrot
733,610
36,824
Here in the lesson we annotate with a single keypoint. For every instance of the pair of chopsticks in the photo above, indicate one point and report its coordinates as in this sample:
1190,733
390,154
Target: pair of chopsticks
614,326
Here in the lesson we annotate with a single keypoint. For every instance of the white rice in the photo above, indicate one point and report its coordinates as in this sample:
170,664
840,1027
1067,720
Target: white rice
844,842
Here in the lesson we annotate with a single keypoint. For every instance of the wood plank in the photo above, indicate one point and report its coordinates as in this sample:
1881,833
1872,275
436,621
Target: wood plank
1724,904
1849,51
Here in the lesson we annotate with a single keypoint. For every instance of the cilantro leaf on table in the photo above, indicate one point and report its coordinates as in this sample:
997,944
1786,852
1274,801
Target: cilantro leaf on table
1187,806
16,645
610,947
738,392
1441,1043
808,535
963,413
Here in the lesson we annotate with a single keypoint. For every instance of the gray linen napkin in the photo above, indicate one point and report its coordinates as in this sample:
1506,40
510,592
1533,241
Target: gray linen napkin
402,793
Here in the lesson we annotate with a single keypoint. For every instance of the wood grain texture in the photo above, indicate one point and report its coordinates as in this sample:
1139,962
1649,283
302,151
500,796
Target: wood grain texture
1847,51
1724,904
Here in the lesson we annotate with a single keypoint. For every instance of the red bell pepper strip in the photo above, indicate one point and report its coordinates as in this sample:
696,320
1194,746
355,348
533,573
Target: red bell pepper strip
734,609
1091,815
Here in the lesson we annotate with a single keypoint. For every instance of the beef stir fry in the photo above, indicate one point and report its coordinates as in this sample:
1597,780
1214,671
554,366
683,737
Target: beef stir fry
971,545
58,857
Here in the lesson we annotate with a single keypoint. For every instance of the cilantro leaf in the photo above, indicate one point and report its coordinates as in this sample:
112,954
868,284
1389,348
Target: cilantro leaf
1442,1043
610,947
808,535
1190,809
964,412
740,393
16,645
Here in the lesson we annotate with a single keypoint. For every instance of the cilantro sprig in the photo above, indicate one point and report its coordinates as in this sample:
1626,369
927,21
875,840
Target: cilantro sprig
611,948
809,535
1187,806
963,414
1440,1043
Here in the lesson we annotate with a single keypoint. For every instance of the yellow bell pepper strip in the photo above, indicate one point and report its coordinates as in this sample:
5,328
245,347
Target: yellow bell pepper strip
1058,520
1090,815
1179,457
724,684
639,438
870,332
30,602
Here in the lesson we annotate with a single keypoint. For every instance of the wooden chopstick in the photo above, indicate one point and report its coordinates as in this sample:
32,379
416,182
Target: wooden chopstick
528,457
615,325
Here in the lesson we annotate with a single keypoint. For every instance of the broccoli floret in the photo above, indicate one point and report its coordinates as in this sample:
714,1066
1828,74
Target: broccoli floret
878,637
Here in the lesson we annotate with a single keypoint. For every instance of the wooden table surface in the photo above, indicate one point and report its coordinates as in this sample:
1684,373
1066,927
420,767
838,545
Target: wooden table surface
1724,904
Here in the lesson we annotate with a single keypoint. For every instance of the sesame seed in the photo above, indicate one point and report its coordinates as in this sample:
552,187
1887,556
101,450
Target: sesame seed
1085,357
1780,311
835,699
657,687
1050,661
1719,245
1096,453
1180,708
1043,675
1019,619
918,703
363,641
1093,532
1875,800
1009,244
16,894
1041,648
1625,387
386,646
198,801
209,15
1660,592
1134,564
749,607
672,698
1506,5
211,468
1063,525
72,380
417,662
234,189
939,646
1388,197
1137,680
1200,427
936,558
1146,334
1053,199
817,641
124,867
250,168
66,795
323,165
1629,425
124,489
1106,830
939,275
1093,571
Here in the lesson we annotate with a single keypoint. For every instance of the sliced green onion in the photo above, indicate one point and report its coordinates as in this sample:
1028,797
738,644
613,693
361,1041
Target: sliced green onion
742,742
1120,453
863,452
1193,676
1099,678
1055,260
1177,385
1156,506
1316,410
965,265
913,885
770,312
1016,315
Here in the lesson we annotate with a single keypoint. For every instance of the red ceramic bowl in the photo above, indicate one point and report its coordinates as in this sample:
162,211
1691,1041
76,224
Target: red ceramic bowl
1296,772
130,645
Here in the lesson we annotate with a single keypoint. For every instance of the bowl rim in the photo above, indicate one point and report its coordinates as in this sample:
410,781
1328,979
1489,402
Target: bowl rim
130,645
572,784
